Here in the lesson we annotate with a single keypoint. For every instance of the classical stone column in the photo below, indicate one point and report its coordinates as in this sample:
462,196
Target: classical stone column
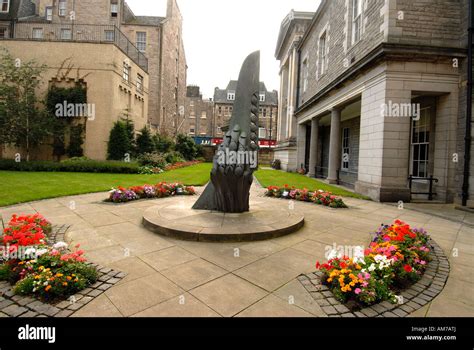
334,146
300,145
313,151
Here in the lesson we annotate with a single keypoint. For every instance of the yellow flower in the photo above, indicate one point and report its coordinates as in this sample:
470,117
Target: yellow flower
69,278
65,284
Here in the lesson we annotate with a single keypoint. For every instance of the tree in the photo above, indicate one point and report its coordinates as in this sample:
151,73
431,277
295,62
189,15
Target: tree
22,122
76,140
187,147
119,142
145,142
163,144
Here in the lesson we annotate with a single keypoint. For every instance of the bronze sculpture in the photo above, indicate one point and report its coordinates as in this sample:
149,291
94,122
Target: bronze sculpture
237,157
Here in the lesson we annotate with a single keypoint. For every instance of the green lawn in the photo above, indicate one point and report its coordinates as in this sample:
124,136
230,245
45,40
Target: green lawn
19,187
279,178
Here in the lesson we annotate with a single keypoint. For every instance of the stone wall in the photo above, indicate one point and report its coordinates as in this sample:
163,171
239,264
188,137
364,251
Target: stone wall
101,67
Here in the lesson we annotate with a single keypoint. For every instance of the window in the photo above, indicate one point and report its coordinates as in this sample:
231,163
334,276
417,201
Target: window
37,33
305,75
262,97
420,144
345,148
220,110
66,34
204,115
141,41
114,9
356,20
192,115
5,5
192,130
62,8
3,32
109,35
262,133
126,72
139,83
322,54
49,13
231,95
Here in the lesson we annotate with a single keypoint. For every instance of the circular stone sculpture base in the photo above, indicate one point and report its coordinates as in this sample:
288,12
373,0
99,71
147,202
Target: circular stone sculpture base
177,219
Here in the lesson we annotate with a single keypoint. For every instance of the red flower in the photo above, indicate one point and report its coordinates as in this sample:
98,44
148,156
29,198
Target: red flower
408,268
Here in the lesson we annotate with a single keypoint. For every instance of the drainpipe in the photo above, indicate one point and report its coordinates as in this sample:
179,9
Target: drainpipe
298,81
467,138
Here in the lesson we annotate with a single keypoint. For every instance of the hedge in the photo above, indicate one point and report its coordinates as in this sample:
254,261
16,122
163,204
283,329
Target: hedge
78,166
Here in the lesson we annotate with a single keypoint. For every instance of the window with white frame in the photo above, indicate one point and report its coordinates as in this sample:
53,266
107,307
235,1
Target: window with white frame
139,83
4,5
231,95
37,33
141,41
262,133
192,130
203,115
420,144
49,13
262,97
66,34
126,72
62,8
323,59
3,32
305,74
346,150
109,35
356,20
114,8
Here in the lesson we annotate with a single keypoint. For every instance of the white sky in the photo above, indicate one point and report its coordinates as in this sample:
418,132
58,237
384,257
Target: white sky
219,34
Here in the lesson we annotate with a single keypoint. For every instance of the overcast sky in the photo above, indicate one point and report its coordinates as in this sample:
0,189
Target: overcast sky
219,34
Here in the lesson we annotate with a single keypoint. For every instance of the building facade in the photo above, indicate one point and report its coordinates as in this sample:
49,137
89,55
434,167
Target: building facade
143,55
268,115
199,114
292,30
379,97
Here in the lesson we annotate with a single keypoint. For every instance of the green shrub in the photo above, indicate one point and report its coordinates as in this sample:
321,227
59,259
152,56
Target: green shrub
76,141
155,160
144,142
187,147
71,166
173,157
119,141
163,144
24,286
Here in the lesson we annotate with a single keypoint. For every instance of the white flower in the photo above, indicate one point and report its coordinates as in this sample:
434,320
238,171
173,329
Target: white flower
372,267
40,252
60,246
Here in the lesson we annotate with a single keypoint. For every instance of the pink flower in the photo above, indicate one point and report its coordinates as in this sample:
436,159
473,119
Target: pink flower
357,291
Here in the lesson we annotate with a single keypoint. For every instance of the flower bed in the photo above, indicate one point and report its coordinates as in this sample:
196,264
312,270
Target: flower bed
161,190
318,197
395,259
180,165
35,268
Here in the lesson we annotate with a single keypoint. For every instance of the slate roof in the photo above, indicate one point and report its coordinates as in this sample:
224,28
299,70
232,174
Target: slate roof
18,9
146,20
220,95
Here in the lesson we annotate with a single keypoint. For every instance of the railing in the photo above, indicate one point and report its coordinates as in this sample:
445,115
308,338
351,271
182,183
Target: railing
431,179
89,33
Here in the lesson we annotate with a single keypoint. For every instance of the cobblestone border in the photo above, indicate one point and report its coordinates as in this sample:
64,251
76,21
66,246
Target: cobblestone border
414,298
12,305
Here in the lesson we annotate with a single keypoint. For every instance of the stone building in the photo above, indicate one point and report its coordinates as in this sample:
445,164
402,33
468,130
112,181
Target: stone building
144,56
199,114
268,116
378,96
292,30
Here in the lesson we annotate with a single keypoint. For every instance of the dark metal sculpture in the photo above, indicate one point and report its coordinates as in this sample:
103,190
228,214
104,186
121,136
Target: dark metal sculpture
236,158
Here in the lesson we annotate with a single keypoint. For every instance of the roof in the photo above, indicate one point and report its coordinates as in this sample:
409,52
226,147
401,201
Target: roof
146,20
220,95
18,9
287,24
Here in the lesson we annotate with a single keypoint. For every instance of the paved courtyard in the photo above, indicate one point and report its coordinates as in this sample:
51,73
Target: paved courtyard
168,277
